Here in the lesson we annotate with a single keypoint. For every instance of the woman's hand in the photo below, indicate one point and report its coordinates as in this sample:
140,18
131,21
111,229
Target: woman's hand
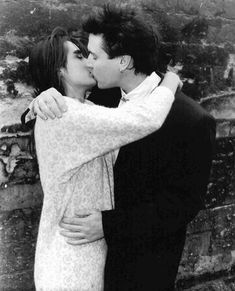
49,104
172,81
175,70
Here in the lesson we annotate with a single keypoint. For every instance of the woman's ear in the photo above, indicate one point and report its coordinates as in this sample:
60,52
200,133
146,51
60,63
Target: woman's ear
61,76
60,72
126,63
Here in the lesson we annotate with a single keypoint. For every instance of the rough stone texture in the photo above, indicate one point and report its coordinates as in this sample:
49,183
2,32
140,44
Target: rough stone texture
18,233
221,185
198,37
17,162
199,40
20,281
20,196
210,247
209,251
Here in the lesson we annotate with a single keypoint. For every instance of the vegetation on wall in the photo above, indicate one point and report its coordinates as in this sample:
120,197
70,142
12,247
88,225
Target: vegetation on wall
196,39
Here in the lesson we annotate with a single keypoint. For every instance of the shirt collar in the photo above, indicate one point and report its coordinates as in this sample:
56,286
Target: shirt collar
144,88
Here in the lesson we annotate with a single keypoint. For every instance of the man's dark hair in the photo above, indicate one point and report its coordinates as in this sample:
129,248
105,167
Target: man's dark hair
49,55
126,31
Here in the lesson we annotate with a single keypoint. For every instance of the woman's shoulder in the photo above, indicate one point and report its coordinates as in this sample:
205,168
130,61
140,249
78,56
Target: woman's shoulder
76,112
77,103
70,100
73,106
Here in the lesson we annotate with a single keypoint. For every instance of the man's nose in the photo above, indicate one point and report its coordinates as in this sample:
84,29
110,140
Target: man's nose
89,62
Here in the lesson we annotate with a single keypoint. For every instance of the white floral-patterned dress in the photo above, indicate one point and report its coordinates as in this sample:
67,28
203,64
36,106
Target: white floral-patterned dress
76,171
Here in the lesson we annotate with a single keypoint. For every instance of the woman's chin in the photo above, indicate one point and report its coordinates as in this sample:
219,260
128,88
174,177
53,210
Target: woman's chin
91,85
93,82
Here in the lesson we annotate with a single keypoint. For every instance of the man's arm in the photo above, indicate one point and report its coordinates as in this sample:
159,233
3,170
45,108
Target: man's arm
179,199
49,104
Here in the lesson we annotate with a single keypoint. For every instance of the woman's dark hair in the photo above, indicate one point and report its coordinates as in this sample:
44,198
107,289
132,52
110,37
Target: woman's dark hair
45,60
49,55
125,30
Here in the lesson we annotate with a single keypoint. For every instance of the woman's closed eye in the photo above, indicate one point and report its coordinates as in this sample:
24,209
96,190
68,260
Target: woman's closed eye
78,54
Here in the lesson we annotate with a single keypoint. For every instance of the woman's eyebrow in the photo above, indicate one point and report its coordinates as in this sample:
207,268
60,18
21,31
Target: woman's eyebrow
77,52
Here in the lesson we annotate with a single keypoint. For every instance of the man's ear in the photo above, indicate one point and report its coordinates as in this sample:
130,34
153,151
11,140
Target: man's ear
126,63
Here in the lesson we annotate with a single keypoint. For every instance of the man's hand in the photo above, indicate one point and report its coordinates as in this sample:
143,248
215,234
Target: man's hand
49,104
85,227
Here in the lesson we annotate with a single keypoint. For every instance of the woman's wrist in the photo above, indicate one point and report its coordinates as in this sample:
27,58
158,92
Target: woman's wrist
171,81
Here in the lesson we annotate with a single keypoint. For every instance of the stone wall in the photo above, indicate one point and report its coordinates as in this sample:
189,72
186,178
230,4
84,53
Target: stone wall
209,256
199,40
197,37
208,262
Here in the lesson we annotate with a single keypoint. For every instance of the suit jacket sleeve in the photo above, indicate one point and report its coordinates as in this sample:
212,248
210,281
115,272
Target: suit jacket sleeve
181,194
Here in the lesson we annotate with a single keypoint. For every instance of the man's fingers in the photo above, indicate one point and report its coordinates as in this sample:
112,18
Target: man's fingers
83,213
38,111
71,226
52,104
77,242
74,235
78,220
45,109
62,106
57,102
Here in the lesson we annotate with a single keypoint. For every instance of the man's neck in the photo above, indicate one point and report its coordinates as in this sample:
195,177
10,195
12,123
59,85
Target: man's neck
131,81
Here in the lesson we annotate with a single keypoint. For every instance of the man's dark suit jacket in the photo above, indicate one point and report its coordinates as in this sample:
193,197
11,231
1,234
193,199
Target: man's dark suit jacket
159,183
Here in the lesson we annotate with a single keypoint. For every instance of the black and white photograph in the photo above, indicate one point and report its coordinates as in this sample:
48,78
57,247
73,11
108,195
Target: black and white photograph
117,145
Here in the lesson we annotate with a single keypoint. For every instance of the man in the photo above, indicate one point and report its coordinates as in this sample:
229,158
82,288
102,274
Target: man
159,181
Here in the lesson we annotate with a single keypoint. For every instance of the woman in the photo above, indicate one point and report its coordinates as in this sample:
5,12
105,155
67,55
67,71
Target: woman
75,158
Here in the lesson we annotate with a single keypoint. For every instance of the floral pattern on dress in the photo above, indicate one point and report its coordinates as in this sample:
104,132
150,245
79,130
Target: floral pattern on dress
76,172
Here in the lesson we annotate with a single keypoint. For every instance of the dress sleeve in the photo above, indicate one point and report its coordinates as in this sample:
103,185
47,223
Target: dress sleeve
88,131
